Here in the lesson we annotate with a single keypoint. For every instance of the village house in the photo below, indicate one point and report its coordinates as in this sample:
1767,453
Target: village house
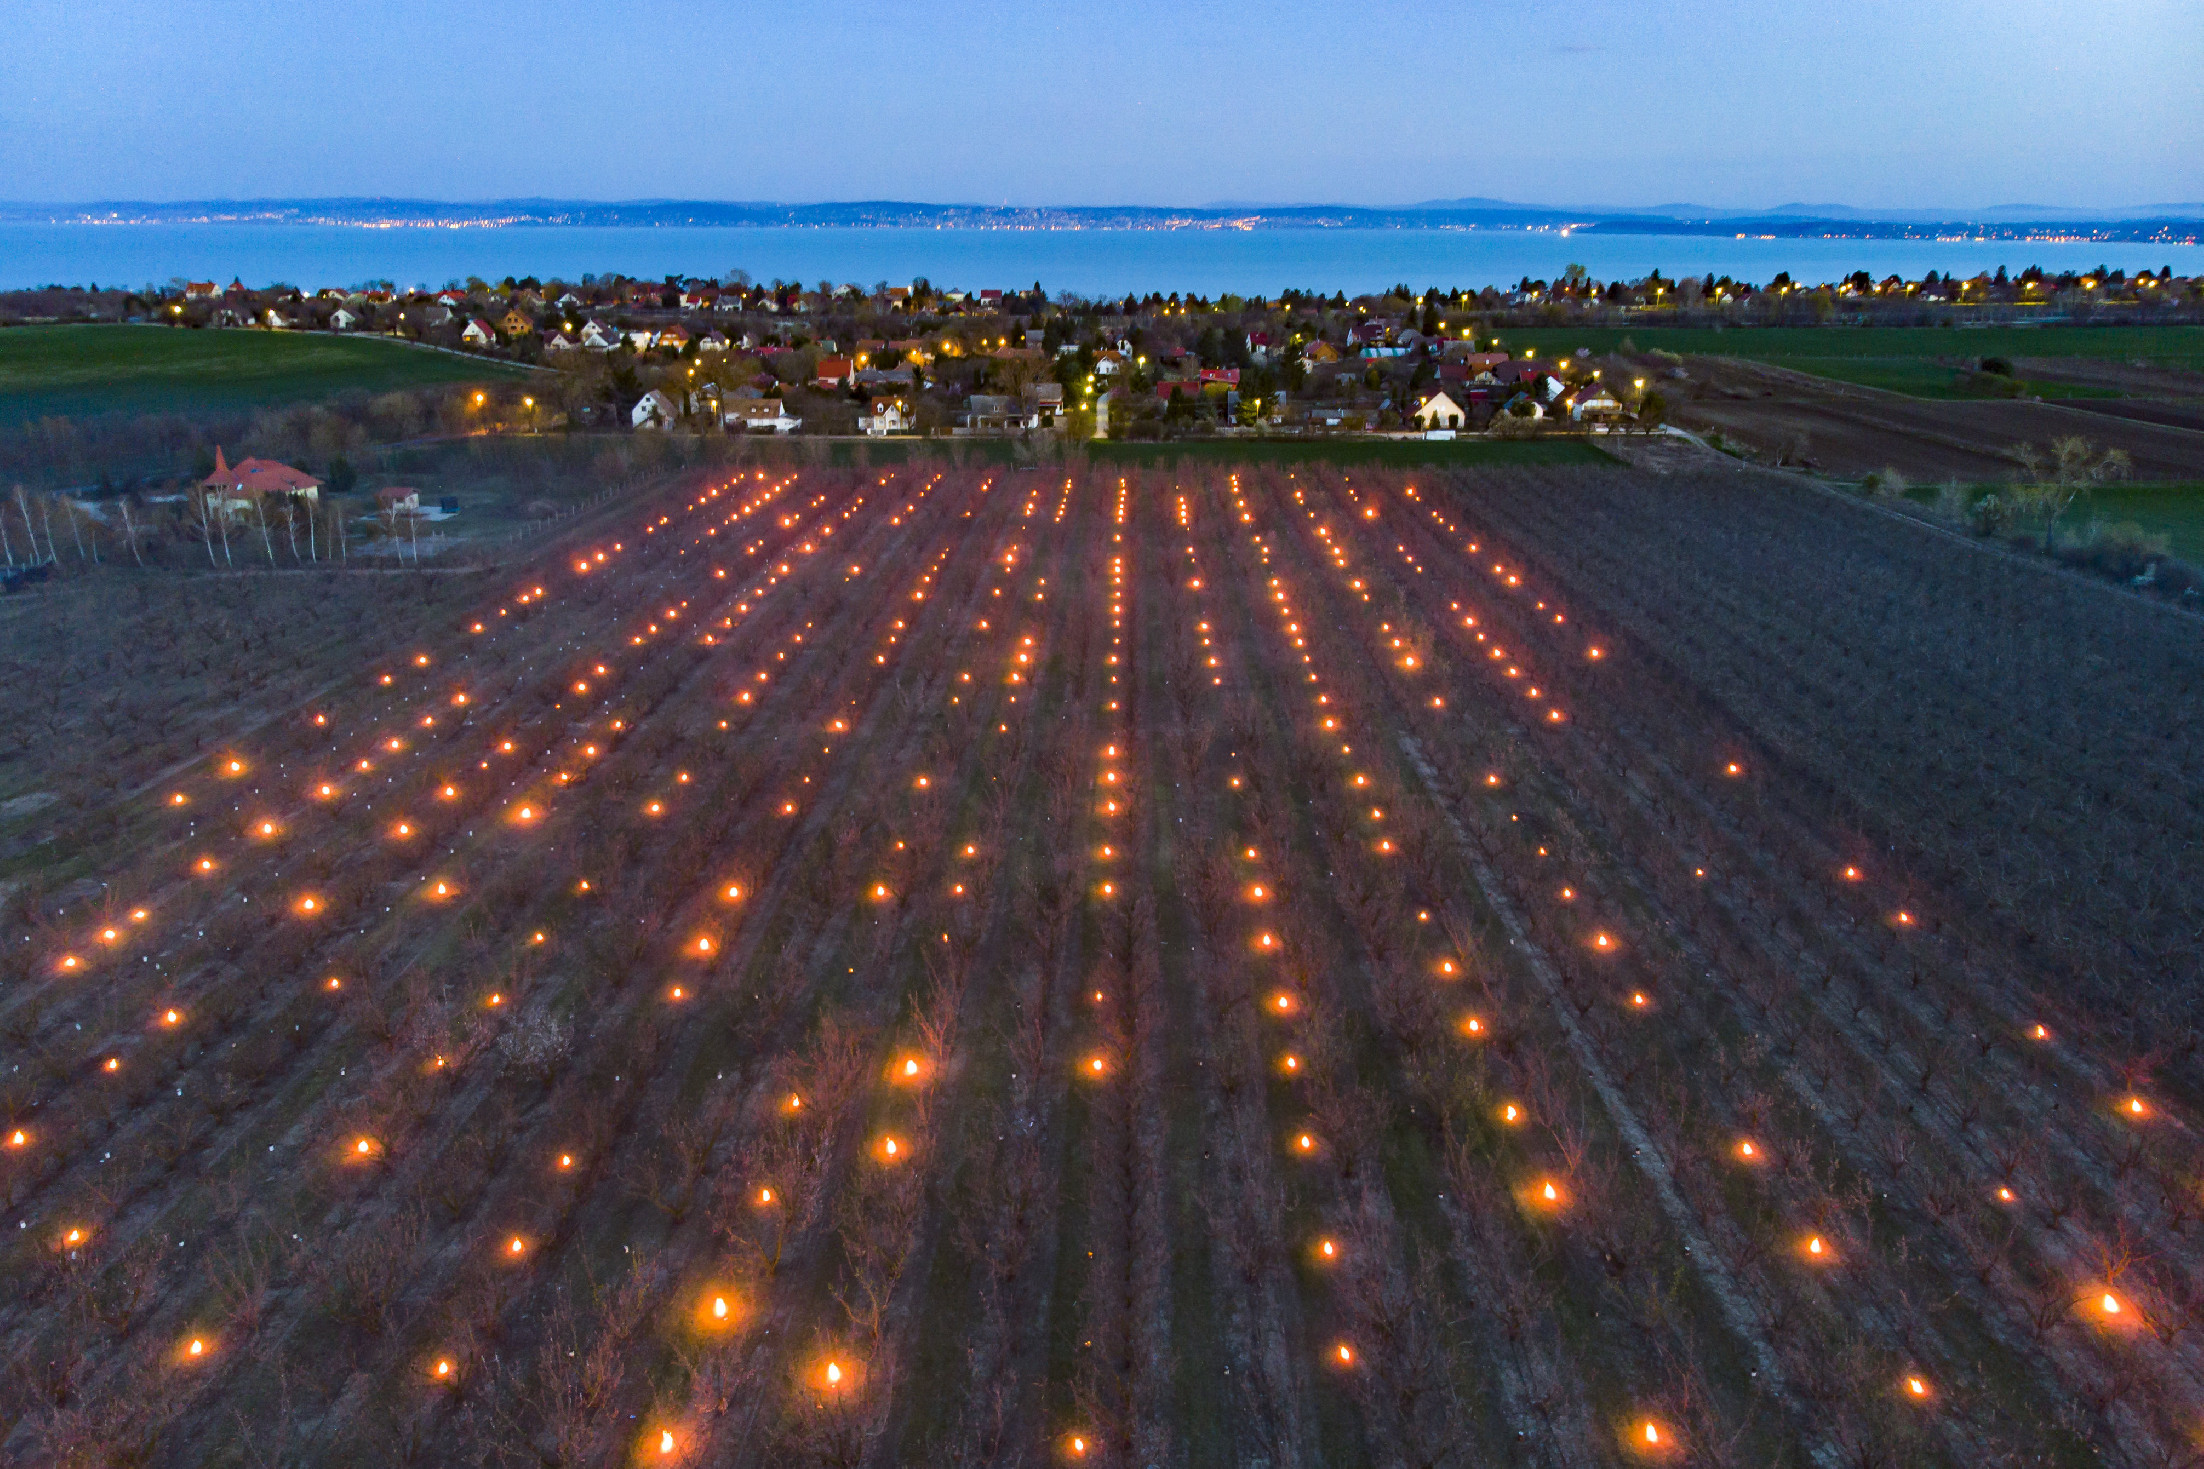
654,410
1591,402
673,339
1479,368
1438,411
832,372
1541,383
1465,353
343,320
886,416
559,342
598,337
201,290
865,379
232,488
996,413
479,333
398,500
516,324
758,415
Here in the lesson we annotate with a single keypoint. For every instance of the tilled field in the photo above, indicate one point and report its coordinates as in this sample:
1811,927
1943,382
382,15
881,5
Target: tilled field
1848,430
1288,968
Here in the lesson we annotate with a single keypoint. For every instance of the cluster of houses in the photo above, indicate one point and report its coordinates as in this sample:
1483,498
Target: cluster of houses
746,410
743,411
1310,364
1457,386
1469,380
486,317
537,318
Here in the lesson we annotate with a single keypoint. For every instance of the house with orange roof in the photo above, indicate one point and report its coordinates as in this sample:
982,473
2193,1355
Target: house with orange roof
249,481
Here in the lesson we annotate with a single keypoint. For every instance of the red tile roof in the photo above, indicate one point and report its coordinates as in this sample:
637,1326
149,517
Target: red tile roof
258,477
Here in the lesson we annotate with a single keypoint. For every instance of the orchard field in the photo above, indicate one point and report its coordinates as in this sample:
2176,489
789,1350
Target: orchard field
1136,966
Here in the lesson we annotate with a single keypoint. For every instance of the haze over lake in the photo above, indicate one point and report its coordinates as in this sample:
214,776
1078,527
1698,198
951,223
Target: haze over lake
1092,262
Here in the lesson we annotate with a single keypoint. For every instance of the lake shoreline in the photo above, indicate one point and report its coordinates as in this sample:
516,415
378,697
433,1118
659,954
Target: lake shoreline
1091,262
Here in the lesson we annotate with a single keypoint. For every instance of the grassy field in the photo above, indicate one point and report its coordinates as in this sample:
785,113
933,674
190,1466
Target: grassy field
75,370
2170,508
2175,511
1921,361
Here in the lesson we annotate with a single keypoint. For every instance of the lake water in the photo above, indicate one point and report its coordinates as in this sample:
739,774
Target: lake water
1091,262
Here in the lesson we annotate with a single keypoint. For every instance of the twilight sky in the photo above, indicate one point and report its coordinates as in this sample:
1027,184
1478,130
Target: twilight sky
1874,103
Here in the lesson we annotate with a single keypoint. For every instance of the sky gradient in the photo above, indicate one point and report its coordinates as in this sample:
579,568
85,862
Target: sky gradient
1871,103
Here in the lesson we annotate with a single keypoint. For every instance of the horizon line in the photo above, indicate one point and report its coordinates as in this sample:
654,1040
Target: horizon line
1851,213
